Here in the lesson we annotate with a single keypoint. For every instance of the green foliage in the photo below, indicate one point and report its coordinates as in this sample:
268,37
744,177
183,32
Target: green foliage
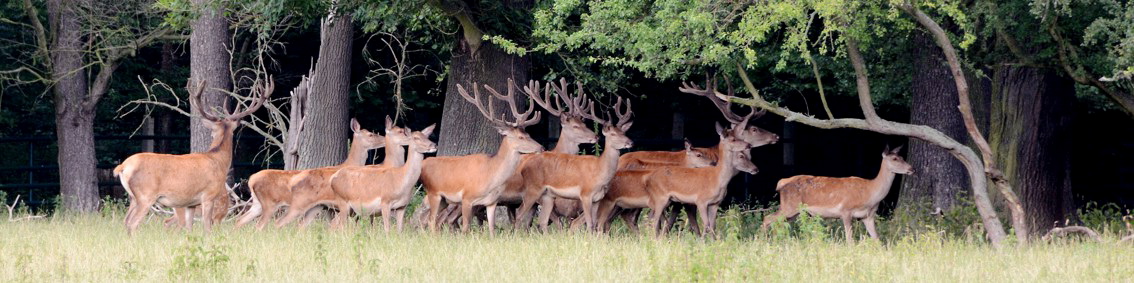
1114,32
197,259
1103,217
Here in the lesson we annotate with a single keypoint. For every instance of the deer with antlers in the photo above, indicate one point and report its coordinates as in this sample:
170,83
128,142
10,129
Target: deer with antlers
571,111
312,188
187,180
846,198
369,189
270,190
478,179
580,177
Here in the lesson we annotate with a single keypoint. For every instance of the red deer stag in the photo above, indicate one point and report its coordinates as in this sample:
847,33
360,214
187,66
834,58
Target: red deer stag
369,189
312,188
478,179
270,189
581,177
845,198
186,180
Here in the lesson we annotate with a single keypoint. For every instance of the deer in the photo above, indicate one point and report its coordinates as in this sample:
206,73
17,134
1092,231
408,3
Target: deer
627,183
312,188
580,177
846,198
571,110
739,127
180,217
270,189
704,187
187,180
478,179
389,189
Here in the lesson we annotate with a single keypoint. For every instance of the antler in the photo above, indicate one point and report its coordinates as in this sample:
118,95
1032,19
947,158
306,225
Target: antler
712,94
261,91
523,119
576,105
623,116
195,99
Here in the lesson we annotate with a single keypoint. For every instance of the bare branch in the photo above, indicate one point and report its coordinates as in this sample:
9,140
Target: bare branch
1064,231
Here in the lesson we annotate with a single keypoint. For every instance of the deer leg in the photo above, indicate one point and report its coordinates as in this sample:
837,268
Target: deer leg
785,212
186,219
490,211
386,217
712,215
138,214
401,215
848,228
524,217
295,210
267,216
630,217
256,210
341,217
588,212
434,207
546,207
869,223
605,208
466,214
691,214
657,207
703,213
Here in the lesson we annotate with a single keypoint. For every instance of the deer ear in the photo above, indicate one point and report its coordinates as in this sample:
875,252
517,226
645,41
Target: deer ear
688,146
389,123
354,126
626,127
720,130
428,130
896,149
503,130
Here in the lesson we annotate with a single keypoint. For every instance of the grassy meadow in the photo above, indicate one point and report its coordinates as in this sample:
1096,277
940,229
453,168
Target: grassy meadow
95,248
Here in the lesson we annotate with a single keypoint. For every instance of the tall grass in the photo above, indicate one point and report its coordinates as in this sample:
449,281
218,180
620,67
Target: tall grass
95,248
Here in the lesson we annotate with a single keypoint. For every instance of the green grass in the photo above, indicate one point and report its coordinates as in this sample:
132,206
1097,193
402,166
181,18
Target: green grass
95,248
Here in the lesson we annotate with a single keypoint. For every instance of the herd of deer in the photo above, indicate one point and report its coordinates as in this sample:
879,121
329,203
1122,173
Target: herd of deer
521,174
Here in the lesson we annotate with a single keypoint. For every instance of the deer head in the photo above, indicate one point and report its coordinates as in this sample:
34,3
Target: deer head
615,132
395,135
695,158
364,138
513,132
419,140
894,162
743,162
739,124
220,124
729,141
571,109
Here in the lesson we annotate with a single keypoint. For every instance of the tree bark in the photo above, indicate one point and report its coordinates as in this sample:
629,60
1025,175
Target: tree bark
463,129
74,122
940,176
209,61
1031,137
323,141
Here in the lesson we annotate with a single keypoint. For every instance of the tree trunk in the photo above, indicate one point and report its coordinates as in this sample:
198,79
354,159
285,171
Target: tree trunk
1031,137
74,122
209,60
463,129
940,177
323,141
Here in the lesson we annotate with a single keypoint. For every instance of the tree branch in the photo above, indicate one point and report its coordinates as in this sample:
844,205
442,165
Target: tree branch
965,106
460,11
819,81
1069,58
40,33
862,82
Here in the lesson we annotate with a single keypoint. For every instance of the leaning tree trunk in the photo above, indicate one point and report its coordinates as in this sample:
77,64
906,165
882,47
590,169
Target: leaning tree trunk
323,141
1031,136
463,129
940,176
74,121
208,60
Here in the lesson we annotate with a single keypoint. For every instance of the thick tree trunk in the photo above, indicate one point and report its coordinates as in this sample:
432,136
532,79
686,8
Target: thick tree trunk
209,60
463,129
1031,137
323,141
940,177
74,121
